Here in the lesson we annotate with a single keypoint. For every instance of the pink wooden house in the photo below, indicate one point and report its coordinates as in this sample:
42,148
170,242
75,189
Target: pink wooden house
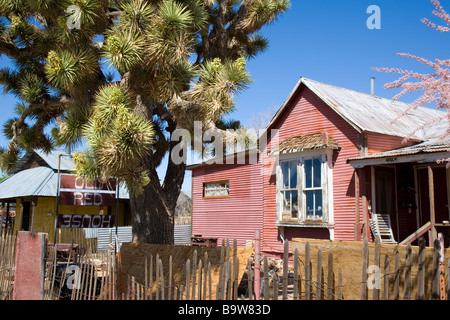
337,161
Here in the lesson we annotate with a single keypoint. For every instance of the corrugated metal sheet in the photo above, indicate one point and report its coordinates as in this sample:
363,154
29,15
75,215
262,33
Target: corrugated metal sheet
236,216
434,145
182,234
106,236
40,181
366,112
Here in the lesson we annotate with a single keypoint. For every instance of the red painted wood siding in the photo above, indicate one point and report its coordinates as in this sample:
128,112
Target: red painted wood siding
377,142
308,114
237,216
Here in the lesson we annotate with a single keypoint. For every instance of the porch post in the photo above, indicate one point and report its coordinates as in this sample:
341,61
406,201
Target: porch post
33,213
357,231
365,206
432,207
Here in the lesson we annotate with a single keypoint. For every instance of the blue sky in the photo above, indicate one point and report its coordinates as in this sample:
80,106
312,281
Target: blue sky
328,41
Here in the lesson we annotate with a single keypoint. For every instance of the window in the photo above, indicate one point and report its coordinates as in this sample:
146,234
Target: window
289,189
303,185
313,189
216,189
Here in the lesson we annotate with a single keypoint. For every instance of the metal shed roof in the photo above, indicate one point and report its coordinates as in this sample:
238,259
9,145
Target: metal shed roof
366,112
40,181
51,158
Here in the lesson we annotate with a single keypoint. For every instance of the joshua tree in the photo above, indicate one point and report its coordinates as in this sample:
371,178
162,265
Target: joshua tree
122,76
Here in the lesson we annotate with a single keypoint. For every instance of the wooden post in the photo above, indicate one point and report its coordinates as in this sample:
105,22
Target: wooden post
330,278
33,213
407,284
435,280
386,278
296,292
433,235
285,268
376,289
257,266
396,275
364,269
307,272
357,235
421,271
441,266
319,276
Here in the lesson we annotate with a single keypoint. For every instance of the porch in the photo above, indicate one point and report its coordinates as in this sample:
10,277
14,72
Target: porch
411,186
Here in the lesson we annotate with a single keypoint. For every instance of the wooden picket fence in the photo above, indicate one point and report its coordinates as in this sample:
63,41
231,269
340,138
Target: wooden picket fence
384,280
299,276
7,263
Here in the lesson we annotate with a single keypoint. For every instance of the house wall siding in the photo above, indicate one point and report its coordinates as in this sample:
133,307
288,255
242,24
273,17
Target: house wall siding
308,114
377,142
235,217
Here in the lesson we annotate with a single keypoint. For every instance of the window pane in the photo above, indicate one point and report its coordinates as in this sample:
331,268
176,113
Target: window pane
293,174
285,174
286,201
317,173
308,173
309,204
294,197
318,204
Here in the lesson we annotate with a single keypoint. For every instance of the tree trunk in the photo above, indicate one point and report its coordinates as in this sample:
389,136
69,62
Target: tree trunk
152,212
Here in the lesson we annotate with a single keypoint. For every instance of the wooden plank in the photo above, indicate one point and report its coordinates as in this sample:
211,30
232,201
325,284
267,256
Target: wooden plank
386,278
376,289
365,257
285,268
421,270
396,275
307,272
432,204
407,281
296,277
435,281
188,279
250,280
448,280
266,278
417,234
330,278
340,284
319,276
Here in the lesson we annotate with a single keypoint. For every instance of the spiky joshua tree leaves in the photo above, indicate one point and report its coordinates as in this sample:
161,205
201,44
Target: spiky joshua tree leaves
121,76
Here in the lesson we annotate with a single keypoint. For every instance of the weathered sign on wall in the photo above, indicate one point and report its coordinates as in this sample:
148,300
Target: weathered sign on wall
84,221
79,192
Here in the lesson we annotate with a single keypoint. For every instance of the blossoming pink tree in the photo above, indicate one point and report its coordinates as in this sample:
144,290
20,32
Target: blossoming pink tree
434,86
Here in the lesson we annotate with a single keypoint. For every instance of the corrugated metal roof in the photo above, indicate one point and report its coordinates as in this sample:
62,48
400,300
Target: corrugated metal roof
430,146
51,158
40,181
366,112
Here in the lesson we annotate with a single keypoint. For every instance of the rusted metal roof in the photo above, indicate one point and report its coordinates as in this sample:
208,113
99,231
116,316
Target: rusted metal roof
439,148
313,141
366,112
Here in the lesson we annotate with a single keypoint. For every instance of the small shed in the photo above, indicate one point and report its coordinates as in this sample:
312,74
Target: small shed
32,187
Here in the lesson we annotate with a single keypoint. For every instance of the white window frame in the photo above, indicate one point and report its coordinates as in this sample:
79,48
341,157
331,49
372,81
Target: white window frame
326,158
